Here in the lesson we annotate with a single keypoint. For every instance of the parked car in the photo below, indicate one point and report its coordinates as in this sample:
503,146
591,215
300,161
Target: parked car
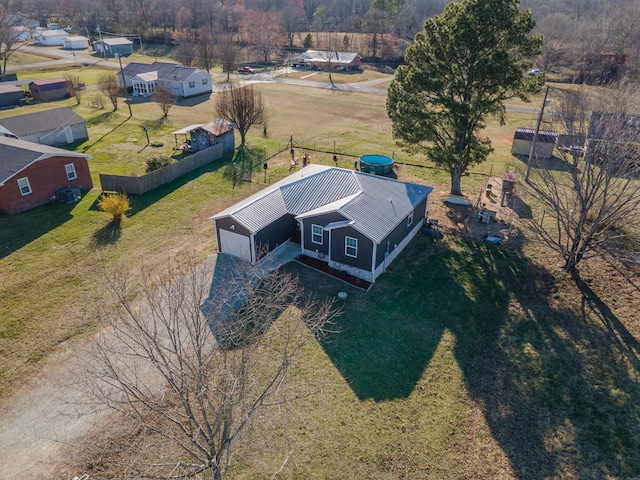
246,70
535,71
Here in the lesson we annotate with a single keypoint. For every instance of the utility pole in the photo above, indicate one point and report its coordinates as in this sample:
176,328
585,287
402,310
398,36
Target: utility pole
535,136
124,84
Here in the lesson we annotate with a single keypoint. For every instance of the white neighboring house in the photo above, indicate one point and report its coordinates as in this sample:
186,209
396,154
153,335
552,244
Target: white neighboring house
330,59
76,43
20,34
144,79
49,38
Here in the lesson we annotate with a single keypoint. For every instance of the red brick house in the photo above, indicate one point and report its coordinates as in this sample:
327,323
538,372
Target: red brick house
31,174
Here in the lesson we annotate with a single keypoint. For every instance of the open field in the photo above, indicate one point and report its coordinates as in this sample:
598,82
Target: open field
463,361
339,77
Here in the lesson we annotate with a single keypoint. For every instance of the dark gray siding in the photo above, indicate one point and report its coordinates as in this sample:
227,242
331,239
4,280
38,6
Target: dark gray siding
11,99
322,220
365,248
276,233
400,232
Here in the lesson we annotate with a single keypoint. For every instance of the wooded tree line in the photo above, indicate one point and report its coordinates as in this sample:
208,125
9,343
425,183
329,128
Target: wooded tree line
576,31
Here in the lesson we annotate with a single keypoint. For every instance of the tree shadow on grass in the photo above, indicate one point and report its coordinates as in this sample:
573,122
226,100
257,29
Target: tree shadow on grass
107,235
89,146
558,392
16,231
139,202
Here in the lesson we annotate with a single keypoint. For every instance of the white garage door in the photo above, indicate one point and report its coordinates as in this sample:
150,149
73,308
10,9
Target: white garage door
235,244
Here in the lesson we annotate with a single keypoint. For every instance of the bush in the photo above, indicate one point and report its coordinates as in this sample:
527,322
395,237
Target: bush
115,204
96,101
157,162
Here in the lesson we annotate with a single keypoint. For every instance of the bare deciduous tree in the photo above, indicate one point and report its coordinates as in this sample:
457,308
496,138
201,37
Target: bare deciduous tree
109,86
188,370
9,42
264,31
599,197
206,48
226,51
242,106
165,100
78,87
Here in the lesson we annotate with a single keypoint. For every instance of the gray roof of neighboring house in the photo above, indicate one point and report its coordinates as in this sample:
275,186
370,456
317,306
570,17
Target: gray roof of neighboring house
43,121
16,155
373,205
51,81
326,56
166,71
115,41
9,88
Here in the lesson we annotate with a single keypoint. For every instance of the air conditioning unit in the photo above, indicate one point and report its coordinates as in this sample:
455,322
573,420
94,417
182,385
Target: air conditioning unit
68,195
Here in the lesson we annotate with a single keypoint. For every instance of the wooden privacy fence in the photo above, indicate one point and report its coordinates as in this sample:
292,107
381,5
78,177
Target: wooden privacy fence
139,185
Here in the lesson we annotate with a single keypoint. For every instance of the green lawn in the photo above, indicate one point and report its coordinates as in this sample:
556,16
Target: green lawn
463,361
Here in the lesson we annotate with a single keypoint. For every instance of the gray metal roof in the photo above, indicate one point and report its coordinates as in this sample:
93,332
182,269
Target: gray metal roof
115,41
372,204
166,71
328,56
38,122
16,155
263,211
9,88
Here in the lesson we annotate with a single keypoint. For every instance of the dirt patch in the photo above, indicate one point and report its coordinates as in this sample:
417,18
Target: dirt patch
489,213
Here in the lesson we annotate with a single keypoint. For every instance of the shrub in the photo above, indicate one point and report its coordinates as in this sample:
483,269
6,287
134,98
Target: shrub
96,101
157,162
115,204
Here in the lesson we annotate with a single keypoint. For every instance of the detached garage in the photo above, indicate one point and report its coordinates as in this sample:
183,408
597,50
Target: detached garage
11,96
76,43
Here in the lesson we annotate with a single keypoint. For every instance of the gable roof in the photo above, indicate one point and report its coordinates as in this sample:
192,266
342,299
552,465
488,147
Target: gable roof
165,71
9,88
16,155
371,204
544,136
54,33
217,127
115,41
36,122
326,56
50,81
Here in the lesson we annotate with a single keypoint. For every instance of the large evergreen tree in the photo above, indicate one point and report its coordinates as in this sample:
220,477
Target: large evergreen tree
461,68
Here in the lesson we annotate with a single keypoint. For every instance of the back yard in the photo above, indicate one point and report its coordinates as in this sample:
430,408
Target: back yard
463,361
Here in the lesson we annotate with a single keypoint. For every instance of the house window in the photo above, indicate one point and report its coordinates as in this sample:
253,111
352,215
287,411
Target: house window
23,184
71,171
351,247
316,234
192,84
204,81
410,219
